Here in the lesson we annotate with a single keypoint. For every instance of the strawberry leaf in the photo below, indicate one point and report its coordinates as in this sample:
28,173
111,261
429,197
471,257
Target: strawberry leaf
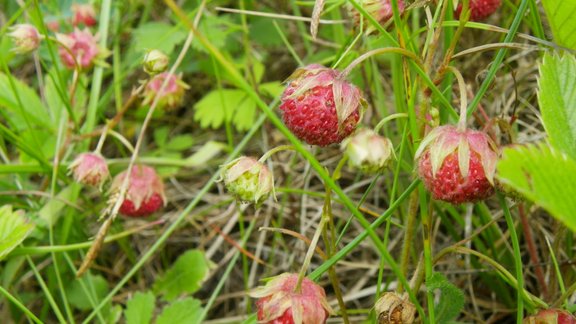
14,228
543,175
561,17
139,309
557,99
157,35
226,105
451,300
185,276
185,311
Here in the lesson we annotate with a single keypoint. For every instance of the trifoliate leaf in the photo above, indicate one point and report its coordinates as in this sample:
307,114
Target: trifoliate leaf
14,228
544,175
225,105
185,311
185,276
140,308
557,99
215,29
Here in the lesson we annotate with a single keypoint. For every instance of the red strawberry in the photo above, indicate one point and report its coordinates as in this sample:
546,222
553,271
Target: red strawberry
551,316
479,9
145,193
319,106
280,303
457,166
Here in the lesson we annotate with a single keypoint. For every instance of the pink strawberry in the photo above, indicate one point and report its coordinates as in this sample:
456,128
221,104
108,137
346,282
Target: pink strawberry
90,169
319,106
80,47
381,10
551,316
280,303
457,166
145,193
171,96
479,9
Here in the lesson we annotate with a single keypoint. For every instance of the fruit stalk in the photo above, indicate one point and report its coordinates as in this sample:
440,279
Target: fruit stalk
379,51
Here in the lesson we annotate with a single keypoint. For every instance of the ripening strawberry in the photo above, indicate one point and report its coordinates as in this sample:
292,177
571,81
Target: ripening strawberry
279,302
551,316
90,169
319,106
25,37
479,9
145,193
80,47
457,166
381,10
171,96
83,14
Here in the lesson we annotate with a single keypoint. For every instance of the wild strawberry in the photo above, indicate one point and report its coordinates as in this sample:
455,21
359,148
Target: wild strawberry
381,10
83,14
319,106
393,309
248,179
90,169
155,62
279,302
25,37
479,9
457,166
80,47
145,193
368,151
171,96
551,316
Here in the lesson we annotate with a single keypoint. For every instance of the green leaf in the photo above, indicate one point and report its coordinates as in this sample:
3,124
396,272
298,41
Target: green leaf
31,110
139,308
225,105
157,35
557,99
216,29
206,153
273,89
451,300
543,175
14,228
85,293
561,15
185,311
185,276
161,136
51,211
179,143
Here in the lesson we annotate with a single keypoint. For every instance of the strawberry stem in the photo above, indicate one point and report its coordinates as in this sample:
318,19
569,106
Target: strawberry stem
387,119
310,252
276,150
379,51
463,97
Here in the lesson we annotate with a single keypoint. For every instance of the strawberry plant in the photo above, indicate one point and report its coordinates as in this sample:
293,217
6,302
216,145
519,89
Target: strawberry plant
309,162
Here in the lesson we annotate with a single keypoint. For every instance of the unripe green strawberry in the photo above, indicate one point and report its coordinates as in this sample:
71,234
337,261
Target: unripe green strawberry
319,106
248,180
279,302
155,62
457,166
368,151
